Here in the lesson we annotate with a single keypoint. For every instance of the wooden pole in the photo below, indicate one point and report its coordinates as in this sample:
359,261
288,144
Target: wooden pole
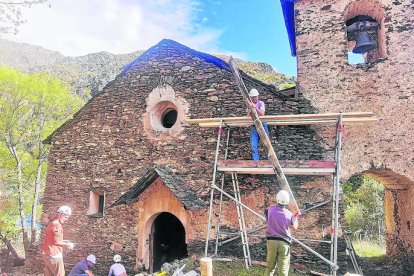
280,176
287,117
206,266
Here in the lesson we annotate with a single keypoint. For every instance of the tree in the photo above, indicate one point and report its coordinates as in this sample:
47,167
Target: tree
11,14
364,198
32,106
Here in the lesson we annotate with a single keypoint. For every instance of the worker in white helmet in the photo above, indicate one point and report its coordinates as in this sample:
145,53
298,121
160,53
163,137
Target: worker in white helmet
54,244
117,269
83,268
279,222
260,109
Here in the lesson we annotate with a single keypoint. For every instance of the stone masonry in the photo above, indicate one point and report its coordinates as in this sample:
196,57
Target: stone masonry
117,137
385,86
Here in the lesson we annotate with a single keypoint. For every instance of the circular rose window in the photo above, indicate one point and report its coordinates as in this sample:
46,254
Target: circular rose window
164,116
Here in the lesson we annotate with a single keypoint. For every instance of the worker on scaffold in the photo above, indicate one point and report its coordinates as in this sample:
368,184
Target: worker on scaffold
260,108
279,222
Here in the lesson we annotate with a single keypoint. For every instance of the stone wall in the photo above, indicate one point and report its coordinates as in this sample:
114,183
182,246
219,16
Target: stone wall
110,144
385,87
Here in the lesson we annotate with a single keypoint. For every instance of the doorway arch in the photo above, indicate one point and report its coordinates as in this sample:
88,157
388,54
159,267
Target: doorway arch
167,240
397,206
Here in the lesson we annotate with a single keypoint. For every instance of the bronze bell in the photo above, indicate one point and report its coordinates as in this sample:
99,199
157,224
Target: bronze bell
363,43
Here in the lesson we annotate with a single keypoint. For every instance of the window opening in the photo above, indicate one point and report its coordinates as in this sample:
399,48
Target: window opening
355,58
96,204
169,117
366,31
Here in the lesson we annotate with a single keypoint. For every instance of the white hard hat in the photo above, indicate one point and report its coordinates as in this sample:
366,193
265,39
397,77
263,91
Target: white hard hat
117,258
282,197
91,258
253,93
65,210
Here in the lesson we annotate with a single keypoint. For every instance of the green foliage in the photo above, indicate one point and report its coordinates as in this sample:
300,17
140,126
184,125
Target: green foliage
353,184
88,93
370,248
8,217
286,86
32,106
364,212
238,268
263,72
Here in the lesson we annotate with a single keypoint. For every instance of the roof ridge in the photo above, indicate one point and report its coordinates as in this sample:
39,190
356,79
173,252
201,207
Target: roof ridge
172,43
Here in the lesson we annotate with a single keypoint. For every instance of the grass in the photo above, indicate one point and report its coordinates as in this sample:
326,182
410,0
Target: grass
237,268
369,249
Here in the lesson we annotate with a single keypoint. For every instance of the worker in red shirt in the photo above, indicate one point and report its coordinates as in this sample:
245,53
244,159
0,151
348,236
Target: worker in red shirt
54,244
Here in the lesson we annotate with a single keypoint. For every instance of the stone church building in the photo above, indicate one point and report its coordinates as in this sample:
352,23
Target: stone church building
136,174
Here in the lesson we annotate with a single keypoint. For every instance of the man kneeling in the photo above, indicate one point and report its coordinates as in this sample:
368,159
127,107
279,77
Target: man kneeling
83,267
117,269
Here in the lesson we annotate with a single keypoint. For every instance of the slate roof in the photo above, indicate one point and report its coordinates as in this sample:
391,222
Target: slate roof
173,44
172,180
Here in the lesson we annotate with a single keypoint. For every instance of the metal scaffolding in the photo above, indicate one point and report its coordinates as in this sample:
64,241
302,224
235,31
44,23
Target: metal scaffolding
243,232
275,167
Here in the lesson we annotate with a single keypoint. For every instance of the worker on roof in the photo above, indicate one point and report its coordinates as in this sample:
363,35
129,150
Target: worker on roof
83,268
117,269
260,108
279,222
54,244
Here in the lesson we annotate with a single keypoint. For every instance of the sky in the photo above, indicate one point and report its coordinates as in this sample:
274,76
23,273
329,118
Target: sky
250,30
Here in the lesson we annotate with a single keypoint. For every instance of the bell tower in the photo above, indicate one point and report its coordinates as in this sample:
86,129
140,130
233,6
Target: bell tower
326,36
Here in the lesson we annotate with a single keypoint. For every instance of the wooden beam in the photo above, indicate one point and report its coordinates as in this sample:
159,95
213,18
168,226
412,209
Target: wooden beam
396,187
280,176
289,167
284,163
288,117
292,123
286,171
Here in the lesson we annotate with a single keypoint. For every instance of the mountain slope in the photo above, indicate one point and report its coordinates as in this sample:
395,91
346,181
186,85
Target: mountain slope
22,56
90,73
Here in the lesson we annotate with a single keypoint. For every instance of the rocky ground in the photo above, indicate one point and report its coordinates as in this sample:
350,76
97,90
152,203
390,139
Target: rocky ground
370,268
389,267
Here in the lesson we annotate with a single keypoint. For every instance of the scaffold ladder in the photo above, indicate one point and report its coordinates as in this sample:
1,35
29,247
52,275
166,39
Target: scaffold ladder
218,224
242,223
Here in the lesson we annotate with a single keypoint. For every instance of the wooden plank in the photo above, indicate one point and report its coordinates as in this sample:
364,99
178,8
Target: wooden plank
286,171
284,163
288,117
321,164
280,176
292,123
